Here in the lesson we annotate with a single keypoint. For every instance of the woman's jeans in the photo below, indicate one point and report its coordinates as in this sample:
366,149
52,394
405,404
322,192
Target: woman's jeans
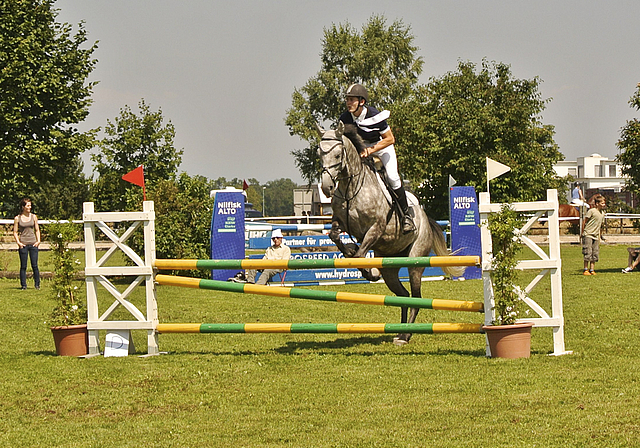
32,253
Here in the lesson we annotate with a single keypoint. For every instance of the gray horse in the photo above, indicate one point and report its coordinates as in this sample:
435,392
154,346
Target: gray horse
361,209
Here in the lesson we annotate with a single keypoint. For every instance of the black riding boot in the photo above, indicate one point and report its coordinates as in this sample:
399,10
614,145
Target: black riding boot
407,223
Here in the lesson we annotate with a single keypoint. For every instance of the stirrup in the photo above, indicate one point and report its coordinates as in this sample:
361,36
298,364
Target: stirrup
408,225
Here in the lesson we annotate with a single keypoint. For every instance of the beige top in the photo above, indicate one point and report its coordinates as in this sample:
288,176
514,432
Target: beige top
593,222
277,253
27,229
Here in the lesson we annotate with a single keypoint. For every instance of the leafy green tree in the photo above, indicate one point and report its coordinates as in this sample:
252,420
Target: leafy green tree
183,209
133,140
629,145
382,57
44,92
446,127
459,119
63,200
279,197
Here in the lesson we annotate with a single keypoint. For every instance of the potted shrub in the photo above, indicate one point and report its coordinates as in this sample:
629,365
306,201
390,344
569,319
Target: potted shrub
507,338
68,319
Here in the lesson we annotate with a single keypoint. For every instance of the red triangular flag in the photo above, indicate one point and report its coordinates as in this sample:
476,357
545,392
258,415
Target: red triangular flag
136,177
245,185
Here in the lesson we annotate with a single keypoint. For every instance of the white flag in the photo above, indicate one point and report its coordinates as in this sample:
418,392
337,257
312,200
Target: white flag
495,169
452,181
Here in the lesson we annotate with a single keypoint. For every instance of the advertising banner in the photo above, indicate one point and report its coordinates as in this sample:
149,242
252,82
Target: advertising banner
227,231
465,226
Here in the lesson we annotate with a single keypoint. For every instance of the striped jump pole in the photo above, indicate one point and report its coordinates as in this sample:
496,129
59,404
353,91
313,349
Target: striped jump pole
431,328
380,263
330,296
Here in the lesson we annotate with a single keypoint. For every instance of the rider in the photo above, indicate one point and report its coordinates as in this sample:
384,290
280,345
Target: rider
376,133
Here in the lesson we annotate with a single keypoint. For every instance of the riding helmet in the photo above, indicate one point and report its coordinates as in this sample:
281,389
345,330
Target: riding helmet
357,90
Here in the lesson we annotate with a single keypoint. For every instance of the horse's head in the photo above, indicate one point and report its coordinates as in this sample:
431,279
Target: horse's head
332,156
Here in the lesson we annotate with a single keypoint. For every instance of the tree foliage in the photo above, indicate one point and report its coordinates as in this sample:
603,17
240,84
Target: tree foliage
629,146
63,200
380,56
133,140
43,92
459,119
445,127
279,197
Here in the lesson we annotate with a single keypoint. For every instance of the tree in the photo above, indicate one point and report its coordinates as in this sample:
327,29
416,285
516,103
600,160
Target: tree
459,119
445,127
279,197
43,92
183,209
381,57
132,141
63,200
629,146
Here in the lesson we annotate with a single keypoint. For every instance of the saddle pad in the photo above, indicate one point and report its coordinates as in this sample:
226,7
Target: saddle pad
384,189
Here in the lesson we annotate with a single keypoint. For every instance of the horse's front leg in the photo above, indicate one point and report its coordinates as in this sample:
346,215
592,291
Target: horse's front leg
372,235
334,235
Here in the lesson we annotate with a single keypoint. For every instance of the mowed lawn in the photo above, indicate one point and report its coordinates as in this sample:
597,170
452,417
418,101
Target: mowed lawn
331,390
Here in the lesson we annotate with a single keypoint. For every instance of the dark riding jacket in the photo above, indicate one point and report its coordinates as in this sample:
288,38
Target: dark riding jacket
370,132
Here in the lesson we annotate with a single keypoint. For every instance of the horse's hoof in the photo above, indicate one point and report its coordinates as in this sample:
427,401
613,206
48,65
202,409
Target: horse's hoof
399,342
375,273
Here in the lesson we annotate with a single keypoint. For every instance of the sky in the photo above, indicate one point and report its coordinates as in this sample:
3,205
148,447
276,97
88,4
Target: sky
223,72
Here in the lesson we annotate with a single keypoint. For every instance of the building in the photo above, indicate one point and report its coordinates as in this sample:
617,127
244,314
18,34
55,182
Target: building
596,173
311,201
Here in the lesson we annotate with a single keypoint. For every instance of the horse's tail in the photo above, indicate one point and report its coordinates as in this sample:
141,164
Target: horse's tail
440,248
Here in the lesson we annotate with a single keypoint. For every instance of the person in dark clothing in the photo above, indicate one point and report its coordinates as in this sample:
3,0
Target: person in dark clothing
373,128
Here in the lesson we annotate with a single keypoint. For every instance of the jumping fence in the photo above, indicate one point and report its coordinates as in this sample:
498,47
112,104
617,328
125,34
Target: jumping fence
143,271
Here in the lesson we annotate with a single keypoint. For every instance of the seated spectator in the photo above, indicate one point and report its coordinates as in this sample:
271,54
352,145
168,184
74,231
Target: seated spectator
277,251
634,259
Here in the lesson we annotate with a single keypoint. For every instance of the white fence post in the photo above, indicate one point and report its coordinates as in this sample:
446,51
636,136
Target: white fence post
96,273
547,264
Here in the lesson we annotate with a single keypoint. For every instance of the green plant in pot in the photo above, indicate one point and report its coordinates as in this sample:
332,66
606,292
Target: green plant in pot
506,244
68,318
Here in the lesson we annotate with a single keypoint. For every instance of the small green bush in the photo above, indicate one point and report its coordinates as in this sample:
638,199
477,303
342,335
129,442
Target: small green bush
70,308
505,245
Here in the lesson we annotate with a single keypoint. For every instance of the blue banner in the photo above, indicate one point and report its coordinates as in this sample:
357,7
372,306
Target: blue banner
227,231
348,275
298,241
465,226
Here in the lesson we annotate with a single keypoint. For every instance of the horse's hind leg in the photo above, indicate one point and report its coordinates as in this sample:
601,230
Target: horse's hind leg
393,282
415,280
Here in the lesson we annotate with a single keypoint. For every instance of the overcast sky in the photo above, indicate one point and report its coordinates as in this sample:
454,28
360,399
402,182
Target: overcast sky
223,71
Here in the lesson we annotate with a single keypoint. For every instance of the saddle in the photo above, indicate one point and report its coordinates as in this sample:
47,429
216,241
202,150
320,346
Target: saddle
375,164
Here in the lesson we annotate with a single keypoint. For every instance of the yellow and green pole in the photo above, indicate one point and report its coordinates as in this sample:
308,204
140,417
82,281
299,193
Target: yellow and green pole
421,328
338,263
330,296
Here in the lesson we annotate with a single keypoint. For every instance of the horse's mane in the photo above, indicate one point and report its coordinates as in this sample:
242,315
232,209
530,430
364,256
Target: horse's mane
351,132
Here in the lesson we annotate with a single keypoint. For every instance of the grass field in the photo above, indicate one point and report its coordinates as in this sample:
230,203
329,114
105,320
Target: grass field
331,390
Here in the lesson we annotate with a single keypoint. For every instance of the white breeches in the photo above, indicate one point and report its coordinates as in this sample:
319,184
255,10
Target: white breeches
390,162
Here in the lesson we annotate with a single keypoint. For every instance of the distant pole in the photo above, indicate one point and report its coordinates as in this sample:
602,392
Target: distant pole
264,210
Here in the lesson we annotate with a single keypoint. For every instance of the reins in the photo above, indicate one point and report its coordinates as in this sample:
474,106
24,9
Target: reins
348,179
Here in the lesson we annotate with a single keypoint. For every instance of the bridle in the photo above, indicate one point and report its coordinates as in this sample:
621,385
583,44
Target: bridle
349,176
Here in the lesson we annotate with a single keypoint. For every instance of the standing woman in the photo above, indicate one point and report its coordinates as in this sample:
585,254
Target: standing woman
26,232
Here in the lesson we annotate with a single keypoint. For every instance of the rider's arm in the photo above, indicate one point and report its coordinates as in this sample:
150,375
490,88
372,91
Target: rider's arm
387,140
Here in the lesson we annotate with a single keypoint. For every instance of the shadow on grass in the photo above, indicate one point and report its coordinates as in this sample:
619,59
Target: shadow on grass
44,353
341,347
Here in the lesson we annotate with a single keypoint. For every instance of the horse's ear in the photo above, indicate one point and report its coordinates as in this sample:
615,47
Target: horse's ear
340,130
320,130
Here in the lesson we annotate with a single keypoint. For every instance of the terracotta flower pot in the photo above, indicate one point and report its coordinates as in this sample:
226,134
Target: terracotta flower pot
71,340
509,341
